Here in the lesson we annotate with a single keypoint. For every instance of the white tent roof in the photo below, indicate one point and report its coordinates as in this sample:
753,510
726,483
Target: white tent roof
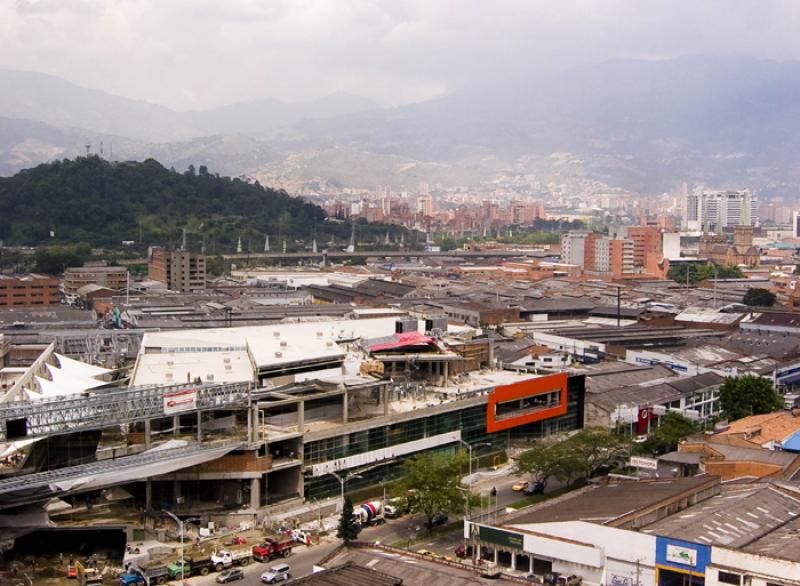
80,369
70,382
51,389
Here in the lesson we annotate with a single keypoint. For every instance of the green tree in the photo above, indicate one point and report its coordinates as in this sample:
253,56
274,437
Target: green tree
435,479
348,527
578,456
672,428
748,395
756,297
543,460
703,272
53,260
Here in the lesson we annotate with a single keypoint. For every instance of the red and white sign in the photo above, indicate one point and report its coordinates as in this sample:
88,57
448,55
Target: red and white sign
180,401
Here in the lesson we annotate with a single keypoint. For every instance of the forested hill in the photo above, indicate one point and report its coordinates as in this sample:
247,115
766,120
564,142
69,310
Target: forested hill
91,200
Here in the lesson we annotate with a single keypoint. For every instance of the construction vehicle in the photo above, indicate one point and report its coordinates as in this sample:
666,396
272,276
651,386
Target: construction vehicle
87,576
272,548
188,567
148,573
225,558
370,513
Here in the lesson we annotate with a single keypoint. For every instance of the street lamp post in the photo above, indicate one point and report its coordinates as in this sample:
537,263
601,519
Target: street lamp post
343,480
469,450
181,526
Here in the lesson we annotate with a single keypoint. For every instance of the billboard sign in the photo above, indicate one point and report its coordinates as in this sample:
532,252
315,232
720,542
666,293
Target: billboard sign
646,463
500,537
681,555
180,401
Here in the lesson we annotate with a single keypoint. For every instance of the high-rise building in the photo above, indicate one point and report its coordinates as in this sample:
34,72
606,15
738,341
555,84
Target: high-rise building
611,256
425,205
796,224
646,240
713,211
599,254
181,271
573,247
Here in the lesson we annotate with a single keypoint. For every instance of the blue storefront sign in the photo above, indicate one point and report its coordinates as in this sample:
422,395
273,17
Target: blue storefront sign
682,557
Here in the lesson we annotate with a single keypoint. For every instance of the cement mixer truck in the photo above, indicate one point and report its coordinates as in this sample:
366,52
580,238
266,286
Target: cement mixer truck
370,513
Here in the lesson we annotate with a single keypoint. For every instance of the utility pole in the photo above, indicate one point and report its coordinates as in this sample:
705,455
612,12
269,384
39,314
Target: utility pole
619,294
716,277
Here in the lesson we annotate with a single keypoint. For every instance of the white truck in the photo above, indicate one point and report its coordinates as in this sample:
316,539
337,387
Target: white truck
225,558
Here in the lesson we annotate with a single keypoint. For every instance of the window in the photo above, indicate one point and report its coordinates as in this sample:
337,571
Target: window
729,578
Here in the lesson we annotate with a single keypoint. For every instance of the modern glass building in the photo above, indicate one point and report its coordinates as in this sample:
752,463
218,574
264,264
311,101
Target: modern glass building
372,452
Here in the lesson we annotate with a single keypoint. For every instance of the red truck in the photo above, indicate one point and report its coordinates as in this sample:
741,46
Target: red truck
272,548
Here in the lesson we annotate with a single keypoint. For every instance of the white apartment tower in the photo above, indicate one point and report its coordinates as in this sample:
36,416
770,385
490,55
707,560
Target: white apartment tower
573,248
713,211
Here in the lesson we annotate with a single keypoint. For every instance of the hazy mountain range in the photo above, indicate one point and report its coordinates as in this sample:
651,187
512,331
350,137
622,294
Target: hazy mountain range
645,125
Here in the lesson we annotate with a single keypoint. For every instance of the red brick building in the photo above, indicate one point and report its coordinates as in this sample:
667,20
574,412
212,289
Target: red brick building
646,241
29,290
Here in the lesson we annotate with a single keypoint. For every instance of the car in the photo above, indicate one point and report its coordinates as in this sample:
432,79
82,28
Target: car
429,553
520,486
535,488
230,576
277,573
439,519
464,551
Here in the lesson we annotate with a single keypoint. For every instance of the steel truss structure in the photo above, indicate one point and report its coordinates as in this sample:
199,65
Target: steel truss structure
30,419
35,487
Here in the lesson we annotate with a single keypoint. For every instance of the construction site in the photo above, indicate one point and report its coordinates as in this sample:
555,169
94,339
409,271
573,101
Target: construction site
244,432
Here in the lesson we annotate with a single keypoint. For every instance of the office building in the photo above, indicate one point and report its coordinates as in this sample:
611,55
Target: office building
713,211
181,271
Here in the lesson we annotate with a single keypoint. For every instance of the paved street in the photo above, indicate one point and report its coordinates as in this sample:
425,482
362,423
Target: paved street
396,531
301,561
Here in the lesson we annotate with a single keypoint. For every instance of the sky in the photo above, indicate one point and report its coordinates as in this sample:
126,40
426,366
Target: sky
195,54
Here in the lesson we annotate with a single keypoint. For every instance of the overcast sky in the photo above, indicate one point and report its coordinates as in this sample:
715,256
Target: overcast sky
190,54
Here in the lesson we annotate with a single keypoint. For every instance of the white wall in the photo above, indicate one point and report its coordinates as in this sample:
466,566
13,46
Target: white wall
762,569
567,344
627,554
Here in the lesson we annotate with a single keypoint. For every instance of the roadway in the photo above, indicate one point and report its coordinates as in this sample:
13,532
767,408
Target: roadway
227,258
443,540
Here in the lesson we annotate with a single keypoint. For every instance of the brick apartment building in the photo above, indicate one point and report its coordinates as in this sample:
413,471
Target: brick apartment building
29,290
114,278
646,241
181,271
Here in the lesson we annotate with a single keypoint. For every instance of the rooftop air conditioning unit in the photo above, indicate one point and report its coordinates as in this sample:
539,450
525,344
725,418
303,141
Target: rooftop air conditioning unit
278,354
276,334
283,343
